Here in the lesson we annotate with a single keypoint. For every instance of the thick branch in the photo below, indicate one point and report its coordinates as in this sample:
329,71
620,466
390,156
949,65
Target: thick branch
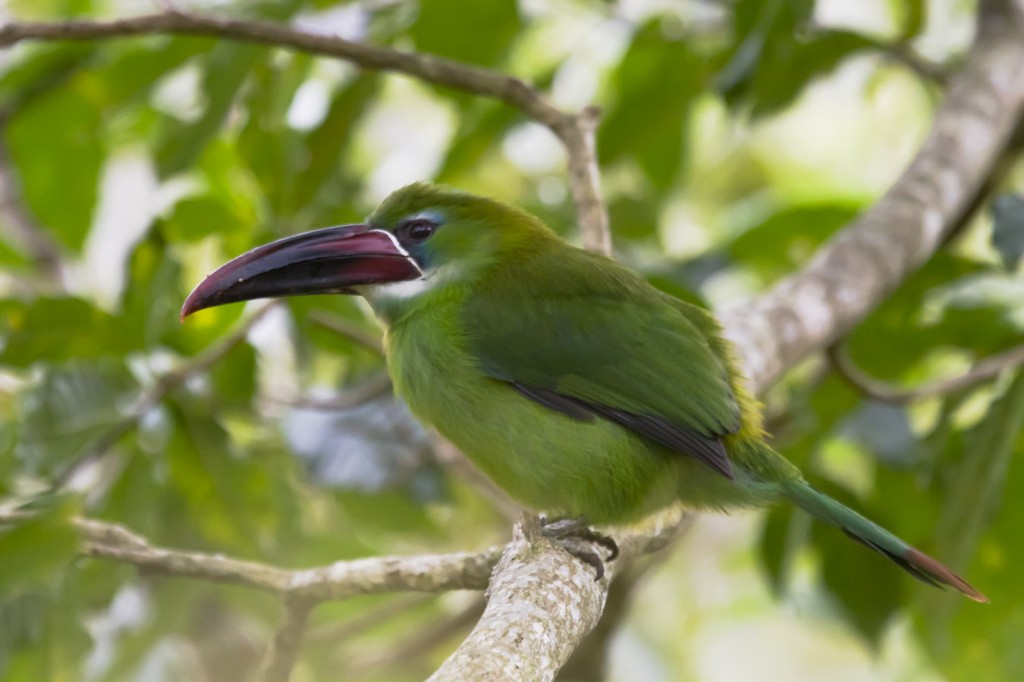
542,603
866,261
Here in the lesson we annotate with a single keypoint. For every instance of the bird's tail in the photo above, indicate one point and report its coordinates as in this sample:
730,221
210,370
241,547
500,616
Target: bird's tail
911,560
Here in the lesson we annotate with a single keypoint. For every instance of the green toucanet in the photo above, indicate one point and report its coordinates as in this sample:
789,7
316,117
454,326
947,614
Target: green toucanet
574,384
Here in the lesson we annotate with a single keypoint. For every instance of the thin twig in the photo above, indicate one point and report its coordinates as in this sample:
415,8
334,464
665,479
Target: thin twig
905,55
873,388
348,329
338,581
574,130
352,396
287,642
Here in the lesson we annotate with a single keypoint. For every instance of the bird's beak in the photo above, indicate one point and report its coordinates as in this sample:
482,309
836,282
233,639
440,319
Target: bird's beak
331,260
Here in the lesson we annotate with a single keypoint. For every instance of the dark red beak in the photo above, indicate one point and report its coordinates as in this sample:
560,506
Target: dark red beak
331,260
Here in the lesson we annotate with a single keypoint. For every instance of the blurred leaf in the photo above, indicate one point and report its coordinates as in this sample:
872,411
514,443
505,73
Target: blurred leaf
69,409
199,217
632,217
267,143
773,59
1008,229
913,16
980,529
49,329
481,130
41,67
326,145
129,70
786,240
57,147
778,543
873,345
48,9
226,68
234,375
36,550
476,32
152,298
229,496
655,85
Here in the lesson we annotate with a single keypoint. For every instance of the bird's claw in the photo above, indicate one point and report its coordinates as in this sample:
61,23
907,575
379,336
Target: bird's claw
576,537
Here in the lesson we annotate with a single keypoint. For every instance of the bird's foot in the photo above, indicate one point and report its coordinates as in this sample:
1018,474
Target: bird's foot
578,539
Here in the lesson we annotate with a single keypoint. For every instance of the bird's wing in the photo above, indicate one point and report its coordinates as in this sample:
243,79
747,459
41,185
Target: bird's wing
595,341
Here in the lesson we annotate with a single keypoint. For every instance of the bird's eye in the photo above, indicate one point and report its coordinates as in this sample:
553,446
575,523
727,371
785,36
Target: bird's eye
419,229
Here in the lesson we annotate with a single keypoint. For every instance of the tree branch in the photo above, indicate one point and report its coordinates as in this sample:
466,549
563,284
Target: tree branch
983,370
866,261
338,581
576,131
542,603
284,647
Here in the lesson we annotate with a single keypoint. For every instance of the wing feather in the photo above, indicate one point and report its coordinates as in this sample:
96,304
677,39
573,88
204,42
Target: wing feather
591,339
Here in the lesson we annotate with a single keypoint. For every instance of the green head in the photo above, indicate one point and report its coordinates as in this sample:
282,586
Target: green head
421,238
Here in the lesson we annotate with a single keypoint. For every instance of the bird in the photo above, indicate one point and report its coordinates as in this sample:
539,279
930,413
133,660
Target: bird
575,385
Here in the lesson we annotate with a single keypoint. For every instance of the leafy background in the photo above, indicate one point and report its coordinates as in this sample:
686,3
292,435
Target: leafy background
736,138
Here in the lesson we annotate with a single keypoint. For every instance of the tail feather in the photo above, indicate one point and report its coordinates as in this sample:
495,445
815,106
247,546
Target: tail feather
913,561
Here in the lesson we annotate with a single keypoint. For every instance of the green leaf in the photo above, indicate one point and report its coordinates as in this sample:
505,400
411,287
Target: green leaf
198,217
979,534
50,330
267,143
48,9
786,240
57,145
36,550
326,145
894,337
71,408
1008,229
128,71
234,375
654,85
226,68
773,59
782,534
42,67
476,32
912,16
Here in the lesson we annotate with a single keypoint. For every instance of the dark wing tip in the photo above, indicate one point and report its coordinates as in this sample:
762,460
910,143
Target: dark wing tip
942,574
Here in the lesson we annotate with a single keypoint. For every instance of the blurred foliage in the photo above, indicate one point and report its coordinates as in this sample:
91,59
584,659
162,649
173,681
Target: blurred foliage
241,144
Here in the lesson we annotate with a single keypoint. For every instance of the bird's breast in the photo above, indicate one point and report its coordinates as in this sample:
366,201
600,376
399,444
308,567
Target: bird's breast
542,458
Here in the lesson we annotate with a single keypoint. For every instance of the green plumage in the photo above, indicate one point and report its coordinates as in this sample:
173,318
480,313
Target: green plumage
574,384
516,335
